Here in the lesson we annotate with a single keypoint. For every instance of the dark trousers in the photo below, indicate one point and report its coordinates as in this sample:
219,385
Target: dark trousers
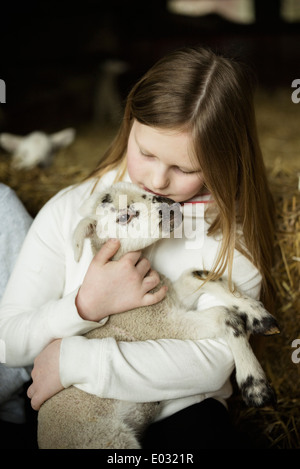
201,426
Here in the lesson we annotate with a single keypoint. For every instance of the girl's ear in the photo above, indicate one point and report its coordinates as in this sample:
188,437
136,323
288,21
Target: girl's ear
85,229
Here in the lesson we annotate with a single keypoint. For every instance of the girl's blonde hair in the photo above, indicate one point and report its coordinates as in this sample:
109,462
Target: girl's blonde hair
196,90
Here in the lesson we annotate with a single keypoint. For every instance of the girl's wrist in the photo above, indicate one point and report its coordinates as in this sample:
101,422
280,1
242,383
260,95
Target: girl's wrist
85,311
81,363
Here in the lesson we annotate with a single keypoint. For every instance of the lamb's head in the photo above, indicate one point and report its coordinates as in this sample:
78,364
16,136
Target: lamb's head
125,211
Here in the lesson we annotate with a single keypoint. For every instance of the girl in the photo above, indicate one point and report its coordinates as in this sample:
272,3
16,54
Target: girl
188,133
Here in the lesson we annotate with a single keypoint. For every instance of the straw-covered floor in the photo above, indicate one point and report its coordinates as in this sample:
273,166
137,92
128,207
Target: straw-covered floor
278,124
279,427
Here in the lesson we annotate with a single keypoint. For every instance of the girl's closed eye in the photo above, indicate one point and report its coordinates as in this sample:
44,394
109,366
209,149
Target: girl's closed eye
147,155
176,168
186,171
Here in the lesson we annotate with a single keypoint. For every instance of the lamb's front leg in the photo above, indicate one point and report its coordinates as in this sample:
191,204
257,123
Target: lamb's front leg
227,324
190,286
250,376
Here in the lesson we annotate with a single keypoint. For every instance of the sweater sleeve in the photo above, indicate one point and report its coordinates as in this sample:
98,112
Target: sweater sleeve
145,371
34,310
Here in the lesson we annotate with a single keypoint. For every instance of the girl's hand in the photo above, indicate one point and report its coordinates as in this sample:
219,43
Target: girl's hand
45,375
111,287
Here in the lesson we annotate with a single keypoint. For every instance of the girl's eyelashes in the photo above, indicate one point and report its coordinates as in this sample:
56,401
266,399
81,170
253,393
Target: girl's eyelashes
146,154
186,172
182,171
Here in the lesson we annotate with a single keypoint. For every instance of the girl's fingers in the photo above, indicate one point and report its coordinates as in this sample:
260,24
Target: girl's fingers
143,266
132,257
30,391
153,298
151,281
108,250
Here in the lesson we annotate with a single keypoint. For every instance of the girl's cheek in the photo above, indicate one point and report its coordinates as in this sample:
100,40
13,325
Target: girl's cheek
133,167
192,190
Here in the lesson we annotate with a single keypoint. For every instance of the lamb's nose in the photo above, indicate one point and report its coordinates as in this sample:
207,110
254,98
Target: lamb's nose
163,200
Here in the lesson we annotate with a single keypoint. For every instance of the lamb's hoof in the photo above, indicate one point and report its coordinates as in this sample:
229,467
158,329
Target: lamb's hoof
257,392
267,325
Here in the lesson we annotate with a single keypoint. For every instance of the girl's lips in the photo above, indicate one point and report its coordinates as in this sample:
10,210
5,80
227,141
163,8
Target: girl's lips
155,193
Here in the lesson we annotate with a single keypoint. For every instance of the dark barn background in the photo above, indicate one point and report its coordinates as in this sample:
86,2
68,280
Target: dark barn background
71,64
51,52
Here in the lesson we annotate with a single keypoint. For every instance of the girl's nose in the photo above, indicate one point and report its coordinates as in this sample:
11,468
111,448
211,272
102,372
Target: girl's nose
160,179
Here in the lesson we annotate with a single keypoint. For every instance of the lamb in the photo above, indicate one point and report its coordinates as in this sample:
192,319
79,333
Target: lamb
75,419
36,148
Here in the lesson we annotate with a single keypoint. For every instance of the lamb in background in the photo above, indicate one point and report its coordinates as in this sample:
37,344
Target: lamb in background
35,149
75,419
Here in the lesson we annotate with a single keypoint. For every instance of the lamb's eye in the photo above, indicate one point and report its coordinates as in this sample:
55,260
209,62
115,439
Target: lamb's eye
124,218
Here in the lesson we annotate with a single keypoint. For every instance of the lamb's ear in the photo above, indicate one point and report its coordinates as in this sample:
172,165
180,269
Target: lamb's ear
89,206
10,142
84,229
62,139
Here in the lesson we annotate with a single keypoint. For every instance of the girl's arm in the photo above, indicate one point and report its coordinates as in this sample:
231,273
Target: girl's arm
32,311
145,371
42,301
163,369
132,371
141,371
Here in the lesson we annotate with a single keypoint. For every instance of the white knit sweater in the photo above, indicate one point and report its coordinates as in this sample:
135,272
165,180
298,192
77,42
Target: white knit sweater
39,306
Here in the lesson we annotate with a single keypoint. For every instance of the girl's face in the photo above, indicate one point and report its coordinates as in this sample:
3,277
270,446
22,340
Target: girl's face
159,162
